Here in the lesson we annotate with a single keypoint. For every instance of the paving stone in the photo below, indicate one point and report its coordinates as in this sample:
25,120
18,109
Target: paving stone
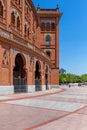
64,106
47,110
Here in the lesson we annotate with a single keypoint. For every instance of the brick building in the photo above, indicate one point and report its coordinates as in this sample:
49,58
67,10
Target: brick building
29,47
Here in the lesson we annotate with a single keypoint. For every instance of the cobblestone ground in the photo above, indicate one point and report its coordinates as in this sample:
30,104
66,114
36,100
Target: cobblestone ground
57,109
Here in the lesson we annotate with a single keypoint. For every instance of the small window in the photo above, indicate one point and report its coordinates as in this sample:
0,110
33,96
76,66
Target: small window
25,29
13,18
43,26
1,9
48,53
18,22
19,2
28,32
48,40
52,26
48,26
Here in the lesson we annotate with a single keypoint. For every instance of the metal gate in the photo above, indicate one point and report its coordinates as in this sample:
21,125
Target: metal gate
38,84
47,84
19,84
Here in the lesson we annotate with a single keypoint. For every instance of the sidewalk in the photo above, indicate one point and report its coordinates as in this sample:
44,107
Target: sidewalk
17,96
56,109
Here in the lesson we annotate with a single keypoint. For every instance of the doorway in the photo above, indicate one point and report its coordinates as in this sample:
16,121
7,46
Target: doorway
19,75
38,76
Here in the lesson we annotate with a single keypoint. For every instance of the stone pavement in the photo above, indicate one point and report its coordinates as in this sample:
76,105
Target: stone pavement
57,109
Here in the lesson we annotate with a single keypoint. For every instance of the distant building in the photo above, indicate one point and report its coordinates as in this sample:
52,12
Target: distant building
29,47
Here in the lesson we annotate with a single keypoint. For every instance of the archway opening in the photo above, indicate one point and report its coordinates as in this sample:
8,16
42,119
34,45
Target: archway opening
38,76
19,74
46,78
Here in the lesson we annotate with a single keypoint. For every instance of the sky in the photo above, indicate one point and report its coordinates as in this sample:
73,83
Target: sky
73,33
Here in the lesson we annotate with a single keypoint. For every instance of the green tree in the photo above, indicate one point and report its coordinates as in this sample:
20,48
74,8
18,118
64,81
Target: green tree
72,78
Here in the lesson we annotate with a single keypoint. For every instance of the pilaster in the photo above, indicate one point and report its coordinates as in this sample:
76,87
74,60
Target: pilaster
8,13
11,66
57,44
23,17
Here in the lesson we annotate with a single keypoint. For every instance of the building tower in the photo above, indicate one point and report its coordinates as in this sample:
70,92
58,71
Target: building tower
48,38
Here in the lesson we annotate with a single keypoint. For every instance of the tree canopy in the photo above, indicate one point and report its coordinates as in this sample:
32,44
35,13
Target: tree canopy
72,78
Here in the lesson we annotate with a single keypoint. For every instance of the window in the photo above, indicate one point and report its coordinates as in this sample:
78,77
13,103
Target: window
25,29
48,53
48,40
28,32
13,18
52,26
43,26
48,26
19,2
18,22
1,9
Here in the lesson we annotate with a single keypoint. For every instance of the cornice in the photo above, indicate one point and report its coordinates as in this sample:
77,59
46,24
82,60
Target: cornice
49,14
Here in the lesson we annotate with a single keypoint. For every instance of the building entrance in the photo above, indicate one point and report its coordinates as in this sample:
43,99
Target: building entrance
19,75
46,78
38,77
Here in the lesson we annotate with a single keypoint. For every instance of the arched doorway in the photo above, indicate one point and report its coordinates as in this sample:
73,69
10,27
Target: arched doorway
19,74
46,78
38,76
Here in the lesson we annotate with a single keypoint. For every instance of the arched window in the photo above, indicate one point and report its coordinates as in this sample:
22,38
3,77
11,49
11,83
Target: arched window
48,40
25,28
18,22
1,9
28,32
19,2
48,53
43,26
52,26
48,26
13,18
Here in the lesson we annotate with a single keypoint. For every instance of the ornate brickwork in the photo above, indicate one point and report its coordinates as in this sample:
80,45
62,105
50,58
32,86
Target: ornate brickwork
5,59
29,46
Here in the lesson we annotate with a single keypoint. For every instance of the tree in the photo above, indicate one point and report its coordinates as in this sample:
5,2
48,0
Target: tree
72,78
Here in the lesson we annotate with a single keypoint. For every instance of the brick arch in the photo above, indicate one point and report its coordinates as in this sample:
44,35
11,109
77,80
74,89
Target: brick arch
23,57
39,64
19,73
17,17
2,8
15,11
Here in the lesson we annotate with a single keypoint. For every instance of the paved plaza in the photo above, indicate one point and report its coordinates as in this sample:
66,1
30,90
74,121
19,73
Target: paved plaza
57,109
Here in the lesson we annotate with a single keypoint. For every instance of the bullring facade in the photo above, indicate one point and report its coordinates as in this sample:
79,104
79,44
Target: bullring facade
29,47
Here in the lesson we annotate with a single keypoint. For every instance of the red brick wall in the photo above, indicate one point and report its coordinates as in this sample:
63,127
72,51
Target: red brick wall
55,77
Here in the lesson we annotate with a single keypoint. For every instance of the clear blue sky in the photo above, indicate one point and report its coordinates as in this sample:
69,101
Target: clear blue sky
73,33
